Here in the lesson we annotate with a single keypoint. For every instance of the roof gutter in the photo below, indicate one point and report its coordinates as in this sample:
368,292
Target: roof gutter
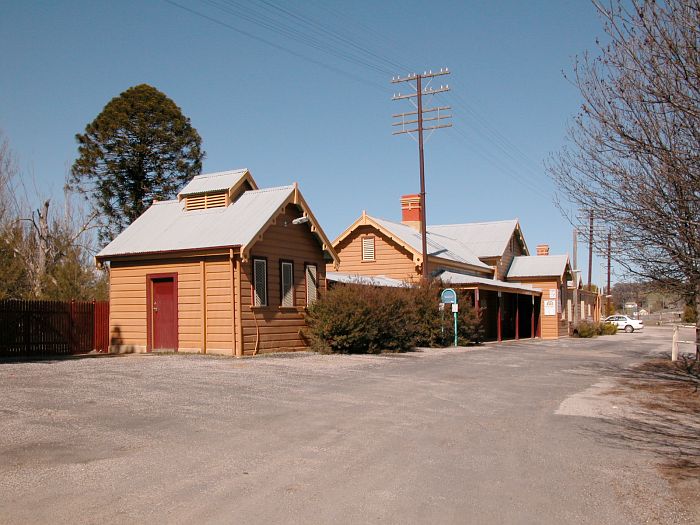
100,259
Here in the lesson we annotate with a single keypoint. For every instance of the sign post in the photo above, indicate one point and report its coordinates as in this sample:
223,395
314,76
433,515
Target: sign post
449,296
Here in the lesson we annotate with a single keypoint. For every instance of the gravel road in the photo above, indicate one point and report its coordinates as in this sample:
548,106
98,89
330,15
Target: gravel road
513,433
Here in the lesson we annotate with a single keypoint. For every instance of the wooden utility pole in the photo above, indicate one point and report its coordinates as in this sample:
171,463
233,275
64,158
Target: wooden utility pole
590,251
607,302
575,279
407,127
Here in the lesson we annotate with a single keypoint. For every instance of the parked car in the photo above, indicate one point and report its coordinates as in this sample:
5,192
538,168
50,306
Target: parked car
625,323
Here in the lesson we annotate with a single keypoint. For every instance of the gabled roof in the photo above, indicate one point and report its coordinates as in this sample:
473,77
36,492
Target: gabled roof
438,245
219,181
539,266
167,227
486,239
576,282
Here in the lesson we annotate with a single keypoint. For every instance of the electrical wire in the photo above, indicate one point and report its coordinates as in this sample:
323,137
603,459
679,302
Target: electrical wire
318,36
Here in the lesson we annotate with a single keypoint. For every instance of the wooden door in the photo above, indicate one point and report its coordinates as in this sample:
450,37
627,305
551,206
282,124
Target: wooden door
164,312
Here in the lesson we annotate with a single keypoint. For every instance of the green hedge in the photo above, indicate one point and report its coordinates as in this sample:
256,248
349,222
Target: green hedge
366,319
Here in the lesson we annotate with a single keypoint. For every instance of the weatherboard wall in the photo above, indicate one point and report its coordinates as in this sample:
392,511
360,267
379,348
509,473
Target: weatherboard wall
551,326
390,258
274,328
513,249
203,301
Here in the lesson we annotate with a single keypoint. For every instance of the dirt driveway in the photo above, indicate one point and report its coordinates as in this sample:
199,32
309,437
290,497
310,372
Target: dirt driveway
527,432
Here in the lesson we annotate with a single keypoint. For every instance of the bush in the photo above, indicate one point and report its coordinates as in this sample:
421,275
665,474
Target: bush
590,329
609,329
586,329
366,319
689,314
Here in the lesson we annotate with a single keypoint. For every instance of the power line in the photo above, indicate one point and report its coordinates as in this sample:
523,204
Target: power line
318,37
278,47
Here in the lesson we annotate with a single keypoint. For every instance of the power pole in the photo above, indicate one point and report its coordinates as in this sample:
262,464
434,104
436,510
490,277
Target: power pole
607,303
590,251
575,278
418,94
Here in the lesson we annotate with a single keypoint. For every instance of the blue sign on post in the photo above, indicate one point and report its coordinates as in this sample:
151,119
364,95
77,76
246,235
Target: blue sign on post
449,296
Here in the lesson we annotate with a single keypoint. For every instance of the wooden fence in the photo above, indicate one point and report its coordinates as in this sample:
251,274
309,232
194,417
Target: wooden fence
41,328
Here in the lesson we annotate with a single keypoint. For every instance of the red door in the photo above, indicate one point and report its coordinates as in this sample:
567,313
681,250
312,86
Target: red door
164,307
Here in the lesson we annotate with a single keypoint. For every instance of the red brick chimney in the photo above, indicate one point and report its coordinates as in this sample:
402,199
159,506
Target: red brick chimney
543,249
410,210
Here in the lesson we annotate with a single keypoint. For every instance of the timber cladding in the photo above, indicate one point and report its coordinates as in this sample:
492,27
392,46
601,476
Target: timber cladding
214,295
390,258
199,314
275,327
551,326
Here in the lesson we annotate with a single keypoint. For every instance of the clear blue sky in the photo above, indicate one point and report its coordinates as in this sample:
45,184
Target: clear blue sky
310,115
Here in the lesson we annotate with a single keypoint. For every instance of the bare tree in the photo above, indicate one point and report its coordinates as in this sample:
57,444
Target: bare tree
45,253
57,246
634,149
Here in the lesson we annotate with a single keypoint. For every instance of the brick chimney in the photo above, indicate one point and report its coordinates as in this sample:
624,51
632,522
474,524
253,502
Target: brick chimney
543,249
410,210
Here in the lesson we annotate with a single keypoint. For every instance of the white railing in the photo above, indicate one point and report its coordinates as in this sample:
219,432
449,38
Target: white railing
676,342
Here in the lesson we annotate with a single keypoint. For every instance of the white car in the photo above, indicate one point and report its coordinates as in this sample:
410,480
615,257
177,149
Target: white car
625,323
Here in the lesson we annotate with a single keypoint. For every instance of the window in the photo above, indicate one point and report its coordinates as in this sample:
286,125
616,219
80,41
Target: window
259,282
287,283
367,248
311,284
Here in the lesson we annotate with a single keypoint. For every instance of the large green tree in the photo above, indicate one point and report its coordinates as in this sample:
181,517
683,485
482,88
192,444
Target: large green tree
139,148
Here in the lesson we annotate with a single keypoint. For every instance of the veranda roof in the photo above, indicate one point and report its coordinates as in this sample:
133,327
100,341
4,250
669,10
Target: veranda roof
454,278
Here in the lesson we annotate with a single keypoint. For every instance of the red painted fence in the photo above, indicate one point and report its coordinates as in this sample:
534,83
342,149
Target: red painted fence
40,328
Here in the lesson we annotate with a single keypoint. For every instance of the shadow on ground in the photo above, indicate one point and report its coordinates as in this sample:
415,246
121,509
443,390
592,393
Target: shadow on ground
662,416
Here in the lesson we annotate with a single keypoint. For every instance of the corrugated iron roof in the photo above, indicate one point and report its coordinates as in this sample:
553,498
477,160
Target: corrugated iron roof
166,226
373,280
485,239
222,180
538,266
458,278
438,245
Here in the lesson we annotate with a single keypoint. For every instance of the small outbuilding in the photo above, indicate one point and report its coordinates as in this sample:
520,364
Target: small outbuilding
226,268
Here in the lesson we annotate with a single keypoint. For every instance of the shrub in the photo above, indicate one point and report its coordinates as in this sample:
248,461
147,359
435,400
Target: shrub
609,329
587,329
590,329
689,314
365,319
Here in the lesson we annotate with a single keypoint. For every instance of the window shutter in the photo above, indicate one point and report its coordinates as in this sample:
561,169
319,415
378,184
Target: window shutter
259,282
206,201
287,284
196,202
216,200
367,248
311,284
